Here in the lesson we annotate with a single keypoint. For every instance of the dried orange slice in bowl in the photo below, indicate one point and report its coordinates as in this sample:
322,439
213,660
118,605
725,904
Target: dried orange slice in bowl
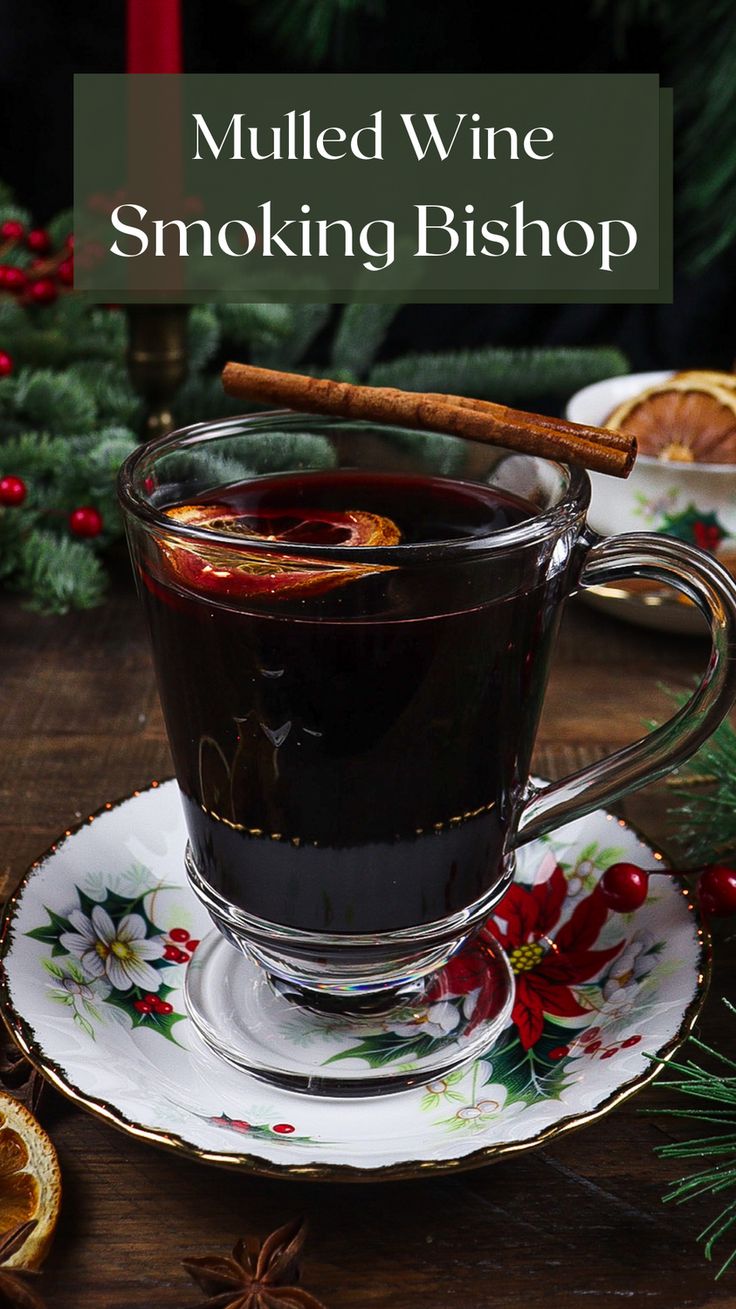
30,1183
241,571
690,418
727,380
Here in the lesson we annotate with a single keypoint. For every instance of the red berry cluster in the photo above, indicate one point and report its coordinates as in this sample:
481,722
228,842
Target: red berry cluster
180,946
588,1043
153,1004
40,283
624,888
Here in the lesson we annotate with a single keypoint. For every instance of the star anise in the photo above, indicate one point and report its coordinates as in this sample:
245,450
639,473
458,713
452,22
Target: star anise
18,1076
255,1276
15,1293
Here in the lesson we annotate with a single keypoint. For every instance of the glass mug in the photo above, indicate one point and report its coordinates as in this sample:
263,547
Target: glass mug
352,713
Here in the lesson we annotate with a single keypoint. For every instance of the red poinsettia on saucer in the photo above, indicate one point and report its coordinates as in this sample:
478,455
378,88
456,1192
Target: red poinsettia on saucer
547,967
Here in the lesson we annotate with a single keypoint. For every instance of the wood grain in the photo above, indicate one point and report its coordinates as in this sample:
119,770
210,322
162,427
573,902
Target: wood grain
577,1223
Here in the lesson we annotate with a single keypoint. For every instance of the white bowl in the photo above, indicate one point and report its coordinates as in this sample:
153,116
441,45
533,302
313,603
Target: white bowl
681,500
658,493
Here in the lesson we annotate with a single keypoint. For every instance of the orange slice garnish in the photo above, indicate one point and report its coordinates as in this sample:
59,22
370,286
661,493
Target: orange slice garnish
30,1182
243,572
688,419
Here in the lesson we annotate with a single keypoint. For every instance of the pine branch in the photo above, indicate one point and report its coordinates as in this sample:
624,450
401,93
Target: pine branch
59,574
253,327
360,334
307,321
719,1178
704,817
109,388
510,376
61,227
54,401
203,333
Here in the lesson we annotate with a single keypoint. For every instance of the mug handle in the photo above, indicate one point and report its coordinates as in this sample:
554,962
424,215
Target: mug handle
707,583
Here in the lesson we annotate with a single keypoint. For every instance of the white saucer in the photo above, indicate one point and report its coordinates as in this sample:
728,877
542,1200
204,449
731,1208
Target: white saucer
580,1039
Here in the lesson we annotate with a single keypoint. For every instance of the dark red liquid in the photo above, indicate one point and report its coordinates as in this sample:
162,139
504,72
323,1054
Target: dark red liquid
349,756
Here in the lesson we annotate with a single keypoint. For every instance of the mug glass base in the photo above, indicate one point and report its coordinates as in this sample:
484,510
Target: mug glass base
379,1044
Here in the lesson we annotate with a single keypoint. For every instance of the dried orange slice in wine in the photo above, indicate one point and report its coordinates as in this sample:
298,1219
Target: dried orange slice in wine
242,572
685,419
30,1183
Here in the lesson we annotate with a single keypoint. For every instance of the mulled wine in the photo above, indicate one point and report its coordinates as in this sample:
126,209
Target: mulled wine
350,739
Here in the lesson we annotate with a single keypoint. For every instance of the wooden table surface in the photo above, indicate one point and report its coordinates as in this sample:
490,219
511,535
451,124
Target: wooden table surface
578,1222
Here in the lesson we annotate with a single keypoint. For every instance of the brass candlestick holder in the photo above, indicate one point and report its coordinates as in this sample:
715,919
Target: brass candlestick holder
158,361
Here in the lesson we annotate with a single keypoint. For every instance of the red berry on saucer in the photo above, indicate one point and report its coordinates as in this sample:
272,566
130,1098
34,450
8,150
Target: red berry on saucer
624,887
717,890
179,934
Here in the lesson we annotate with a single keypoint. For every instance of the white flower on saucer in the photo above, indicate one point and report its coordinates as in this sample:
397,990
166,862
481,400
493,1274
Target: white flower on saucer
437,1021
119,953
630,966
618,1004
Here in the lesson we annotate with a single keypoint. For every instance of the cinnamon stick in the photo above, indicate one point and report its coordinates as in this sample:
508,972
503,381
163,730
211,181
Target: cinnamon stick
476,420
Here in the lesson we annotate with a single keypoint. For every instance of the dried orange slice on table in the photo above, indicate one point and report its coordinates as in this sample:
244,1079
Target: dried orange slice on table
30,1183
689,419
241,572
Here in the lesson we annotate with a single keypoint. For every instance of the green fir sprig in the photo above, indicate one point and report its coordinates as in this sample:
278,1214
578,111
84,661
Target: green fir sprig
716,1088
704,826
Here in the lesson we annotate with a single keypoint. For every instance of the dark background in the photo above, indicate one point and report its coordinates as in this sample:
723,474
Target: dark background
44,42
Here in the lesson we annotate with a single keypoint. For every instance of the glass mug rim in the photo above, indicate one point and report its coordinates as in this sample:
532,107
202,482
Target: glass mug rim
570,505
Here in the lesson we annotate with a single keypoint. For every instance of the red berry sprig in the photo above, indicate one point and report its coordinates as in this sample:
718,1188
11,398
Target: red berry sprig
86,521
13,491
38,241
11,230
717,890
12,279
179,946
65,272
43,291
49,273
153,1004
6,364
624,887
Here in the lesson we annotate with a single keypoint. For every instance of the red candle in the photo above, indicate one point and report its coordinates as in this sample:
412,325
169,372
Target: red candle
154,36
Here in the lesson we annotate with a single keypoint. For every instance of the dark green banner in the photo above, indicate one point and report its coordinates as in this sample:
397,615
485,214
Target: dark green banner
373,187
